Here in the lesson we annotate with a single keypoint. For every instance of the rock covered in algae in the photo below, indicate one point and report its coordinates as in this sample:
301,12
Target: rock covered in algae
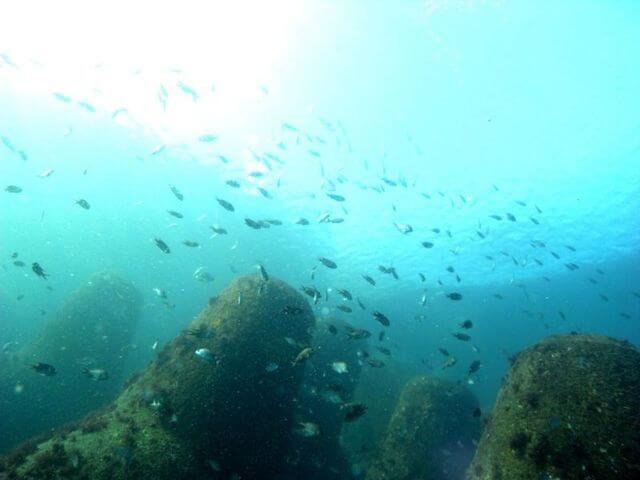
569,409
93,329
330,378
191,416
430,435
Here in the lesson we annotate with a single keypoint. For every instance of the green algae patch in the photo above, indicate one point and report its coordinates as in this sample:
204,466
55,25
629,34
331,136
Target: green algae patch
190,417
430,434
568,409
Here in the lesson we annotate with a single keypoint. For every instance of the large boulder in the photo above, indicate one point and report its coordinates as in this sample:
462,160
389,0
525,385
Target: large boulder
222,412
569,409
431,433
92,330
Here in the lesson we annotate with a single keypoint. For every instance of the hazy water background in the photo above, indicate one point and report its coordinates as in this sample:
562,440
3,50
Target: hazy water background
539,99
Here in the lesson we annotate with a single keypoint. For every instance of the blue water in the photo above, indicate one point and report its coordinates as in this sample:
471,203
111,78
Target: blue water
527,108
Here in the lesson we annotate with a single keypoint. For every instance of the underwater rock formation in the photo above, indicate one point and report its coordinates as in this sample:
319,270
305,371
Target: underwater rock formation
330,378
430,435
569,409
217,402
93,329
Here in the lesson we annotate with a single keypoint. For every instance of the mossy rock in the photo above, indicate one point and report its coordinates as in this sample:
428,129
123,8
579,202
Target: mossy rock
184,417
92,329
569,409
430,435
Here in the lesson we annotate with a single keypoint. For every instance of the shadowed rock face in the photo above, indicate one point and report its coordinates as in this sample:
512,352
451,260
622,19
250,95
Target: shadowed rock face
430,435
186,417
93,329
319,400
569,409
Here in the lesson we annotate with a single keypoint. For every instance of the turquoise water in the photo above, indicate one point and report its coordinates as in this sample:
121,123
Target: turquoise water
432,114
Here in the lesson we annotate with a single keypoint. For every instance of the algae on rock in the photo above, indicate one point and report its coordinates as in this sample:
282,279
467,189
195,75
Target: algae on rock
432,416
93,329
186,417
569,409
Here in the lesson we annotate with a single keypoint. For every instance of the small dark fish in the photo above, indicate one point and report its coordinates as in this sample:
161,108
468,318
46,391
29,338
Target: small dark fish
176,192
450,269
173,213
381,336
226,205
569,247
467,324
218,230
427,244
357,333
44,369
256,174
190,243
353,411
302,221
162,246
538,261
202,332
454,296
572,266
38,270
625,315
435,230
346,294
13,189
476,413
361,305
443,351
498,296
384,351
375,363
344,308
474,367
336,197
19,263
274,222
253,224
291,310
311,291
462,336
333,330
480,234
510,217
380,317
14,255
555,255
521,203
388,270
604,297
422,277
263,272
369,280
534,220
562,315
83,203
264,192
328,263
496,217
233,183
